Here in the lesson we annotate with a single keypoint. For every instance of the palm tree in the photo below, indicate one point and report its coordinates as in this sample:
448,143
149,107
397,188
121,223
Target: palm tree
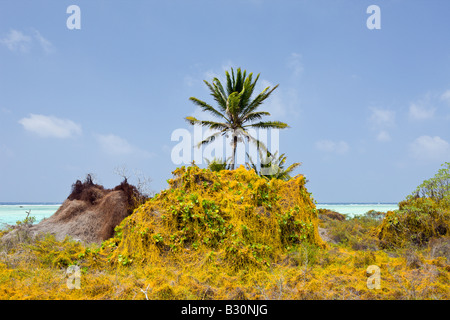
217,164
236,109
272,166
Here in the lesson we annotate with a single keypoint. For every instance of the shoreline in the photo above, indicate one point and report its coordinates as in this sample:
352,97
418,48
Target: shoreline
45,204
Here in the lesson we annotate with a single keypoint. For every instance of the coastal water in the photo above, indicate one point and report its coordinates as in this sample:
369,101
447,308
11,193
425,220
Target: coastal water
353,209
12,212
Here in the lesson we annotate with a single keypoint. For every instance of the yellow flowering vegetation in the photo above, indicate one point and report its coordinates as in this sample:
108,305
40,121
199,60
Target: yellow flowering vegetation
226,235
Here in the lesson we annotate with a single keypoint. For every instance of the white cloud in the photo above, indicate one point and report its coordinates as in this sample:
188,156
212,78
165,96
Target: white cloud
446,96
117,146
420,112
189,81
383,136
340,147
50,126
46,45
21,42
380,120
430,148
113,144
382,117
17,41
294,63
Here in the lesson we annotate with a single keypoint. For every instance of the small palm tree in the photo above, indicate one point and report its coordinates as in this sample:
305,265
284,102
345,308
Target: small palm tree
236,109
217,164
272,166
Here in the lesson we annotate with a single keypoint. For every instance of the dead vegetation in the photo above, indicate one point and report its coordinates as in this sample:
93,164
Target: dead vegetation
90,213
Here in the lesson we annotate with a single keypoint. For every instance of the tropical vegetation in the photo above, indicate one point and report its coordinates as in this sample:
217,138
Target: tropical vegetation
242,233
236,109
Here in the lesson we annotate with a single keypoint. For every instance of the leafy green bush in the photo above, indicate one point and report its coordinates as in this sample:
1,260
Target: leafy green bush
272,166
436,188
217,164
416,222
423,215
28,221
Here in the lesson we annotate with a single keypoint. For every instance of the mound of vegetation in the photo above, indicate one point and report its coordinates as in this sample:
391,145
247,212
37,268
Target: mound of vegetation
423,215
227,235
228,218
91,193
90,213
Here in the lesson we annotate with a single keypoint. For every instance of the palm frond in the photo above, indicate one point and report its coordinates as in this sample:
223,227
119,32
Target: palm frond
258,143
251,165
208,140
259,99
233,106
272,166
210,124
292,167
217,164
255,116
221,100
268,125
230,82
239,83
249,87
222,96
206,107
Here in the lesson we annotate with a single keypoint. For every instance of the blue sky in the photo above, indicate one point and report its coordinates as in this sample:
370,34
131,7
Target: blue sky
369,110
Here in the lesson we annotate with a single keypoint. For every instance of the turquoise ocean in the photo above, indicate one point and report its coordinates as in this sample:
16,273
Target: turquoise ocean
12,212
353,209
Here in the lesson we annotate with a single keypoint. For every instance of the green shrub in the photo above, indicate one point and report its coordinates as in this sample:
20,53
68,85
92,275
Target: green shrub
416,222
423,215
436,188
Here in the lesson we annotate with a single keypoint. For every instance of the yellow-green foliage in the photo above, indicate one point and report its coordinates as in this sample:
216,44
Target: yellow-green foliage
309,272
358,232
228,217
423,215
225,235
416,222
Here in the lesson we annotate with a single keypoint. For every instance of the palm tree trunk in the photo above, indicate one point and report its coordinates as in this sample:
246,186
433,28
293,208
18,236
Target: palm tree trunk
233,164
